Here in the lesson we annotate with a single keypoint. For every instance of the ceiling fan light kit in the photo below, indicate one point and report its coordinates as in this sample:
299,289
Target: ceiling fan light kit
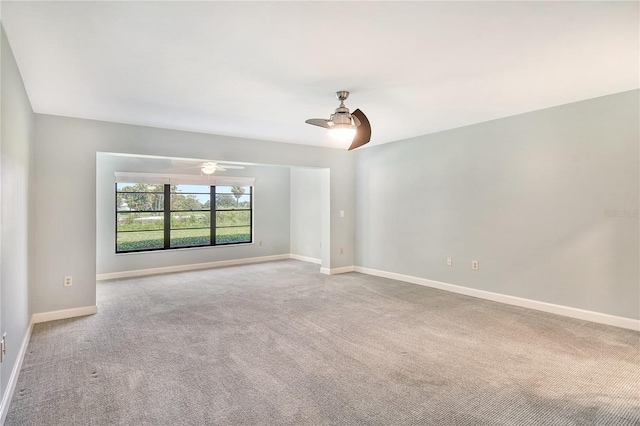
208,168
346,127
343,132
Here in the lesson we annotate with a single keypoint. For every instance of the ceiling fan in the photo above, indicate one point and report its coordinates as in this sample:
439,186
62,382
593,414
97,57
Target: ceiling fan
345,126
210,167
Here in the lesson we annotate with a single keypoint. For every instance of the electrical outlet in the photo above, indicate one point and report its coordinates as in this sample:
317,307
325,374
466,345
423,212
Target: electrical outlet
475,265
449,261
68,281
341,213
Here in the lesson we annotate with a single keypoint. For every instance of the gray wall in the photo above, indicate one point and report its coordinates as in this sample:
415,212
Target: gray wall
270,214
525,196
15,142
64,175
306,212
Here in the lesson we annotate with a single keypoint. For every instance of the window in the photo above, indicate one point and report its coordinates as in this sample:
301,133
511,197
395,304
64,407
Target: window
233,214
169,216
190,215
139,217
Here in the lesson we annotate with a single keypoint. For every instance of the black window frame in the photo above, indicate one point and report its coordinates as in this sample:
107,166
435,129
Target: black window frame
167,219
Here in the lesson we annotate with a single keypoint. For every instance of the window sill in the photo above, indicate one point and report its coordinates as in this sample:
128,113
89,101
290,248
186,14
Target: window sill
173,250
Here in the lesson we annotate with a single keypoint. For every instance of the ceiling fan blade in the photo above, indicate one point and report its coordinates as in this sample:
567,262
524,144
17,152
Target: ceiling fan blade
318,122
363,132
228,166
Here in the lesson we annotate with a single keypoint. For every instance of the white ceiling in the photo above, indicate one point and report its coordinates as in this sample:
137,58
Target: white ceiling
259,69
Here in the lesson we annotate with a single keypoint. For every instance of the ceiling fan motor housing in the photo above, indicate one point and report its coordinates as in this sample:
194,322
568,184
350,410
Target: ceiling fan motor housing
341,117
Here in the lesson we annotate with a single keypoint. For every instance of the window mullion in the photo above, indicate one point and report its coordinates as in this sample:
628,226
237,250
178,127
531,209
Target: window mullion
116,224
167,216
212,220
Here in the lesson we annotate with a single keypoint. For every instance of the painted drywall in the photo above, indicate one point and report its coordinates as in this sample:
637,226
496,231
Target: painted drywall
15,142
270,216
306,212
547,202
64,193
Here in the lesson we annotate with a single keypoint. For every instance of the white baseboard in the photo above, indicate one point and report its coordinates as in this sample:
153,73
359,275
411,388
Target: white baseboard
191,267
13,379
305,258
335,271
582,314
64,313
36,318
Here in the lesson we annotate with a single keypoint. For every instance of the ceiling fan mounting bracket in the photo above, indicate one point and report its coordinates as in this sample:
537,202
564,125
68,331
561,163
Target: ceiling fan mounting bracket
342,95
